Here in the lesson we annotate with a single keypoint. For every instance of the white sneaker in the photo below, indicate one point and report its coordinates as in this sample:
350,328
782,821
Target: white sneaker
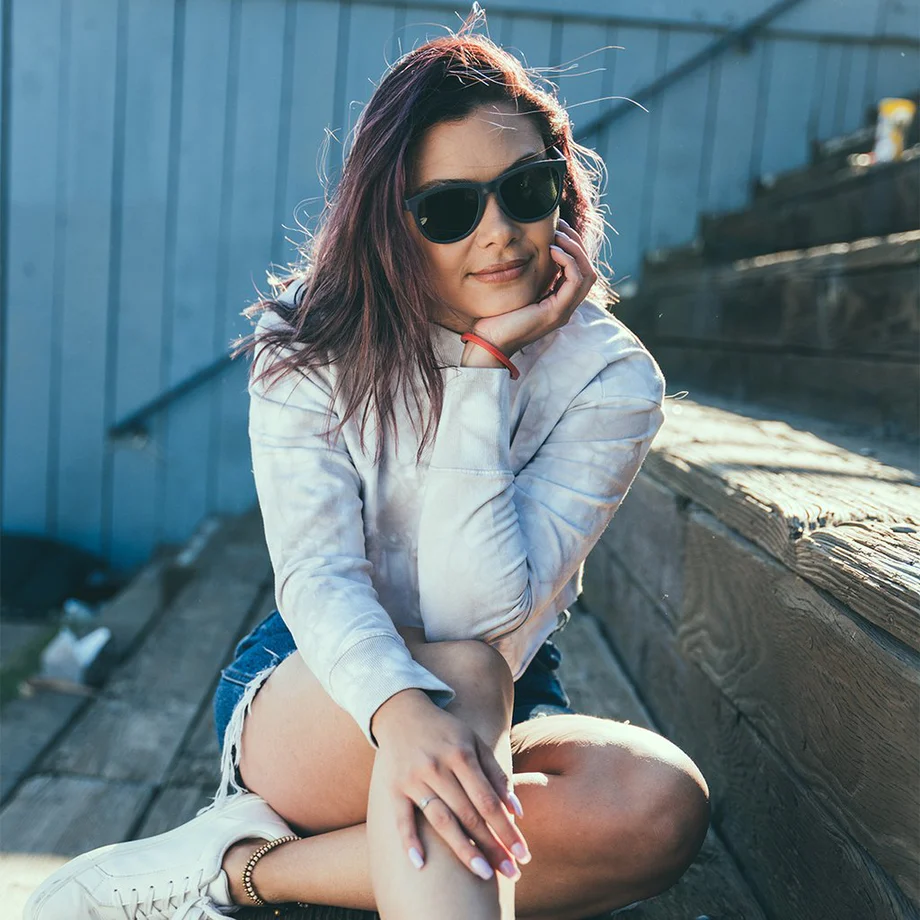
173,876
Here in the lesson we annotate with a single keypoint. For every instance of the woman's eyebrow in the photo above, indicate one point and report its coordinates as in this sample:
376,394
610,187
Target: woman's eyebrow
434,183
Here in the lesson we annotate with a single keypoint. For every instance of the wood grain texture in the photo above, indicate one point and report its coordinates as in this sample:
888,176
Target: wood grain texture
150,701
798,860
172,806
848,299
849,205
834,696
69,815
880,395
783,488
647,533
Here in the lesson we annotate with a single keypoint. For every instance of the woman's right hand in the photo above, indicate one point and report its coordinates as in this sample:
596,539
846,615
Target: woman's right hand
427,751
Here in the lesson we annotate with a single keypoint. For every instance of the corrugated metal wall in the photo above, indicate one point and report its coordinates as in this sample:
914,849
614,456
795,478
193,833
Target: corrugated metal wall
153,154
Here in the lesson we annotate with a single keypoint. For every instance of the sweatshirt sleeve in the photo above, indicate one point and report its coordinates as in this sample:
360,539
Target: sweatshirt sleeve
309,496
494,548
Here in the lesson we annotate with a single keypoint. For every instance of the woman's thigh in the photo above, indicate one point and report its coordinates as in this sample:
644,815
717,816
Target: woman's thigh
307,757
618,776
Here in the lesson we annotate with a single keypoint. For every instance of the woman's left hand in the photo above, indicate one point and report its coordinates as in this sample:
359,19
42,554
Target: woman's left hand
511,331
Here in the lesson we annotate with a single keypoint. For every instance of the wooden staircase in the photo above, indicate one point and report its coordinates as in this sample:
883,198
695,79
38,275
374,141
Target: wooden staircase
761,582
138,755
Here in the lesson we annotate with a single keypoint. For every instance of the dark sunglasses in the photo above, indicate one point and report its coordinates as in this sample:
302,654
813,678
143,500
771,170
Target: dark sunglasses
525,193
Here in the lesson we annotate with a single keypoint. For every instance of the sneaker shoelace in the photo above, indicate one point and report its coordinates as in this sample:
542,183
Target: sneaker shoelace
139,905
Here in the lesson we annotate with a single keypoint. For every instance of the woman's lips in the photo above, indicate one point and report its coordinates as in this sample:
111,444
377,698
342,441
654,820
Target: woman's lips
500,277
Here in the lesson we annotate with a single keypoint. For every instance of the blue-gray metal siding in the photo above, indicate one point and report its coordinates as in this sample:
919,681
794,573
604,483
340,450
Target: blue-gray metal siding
156,155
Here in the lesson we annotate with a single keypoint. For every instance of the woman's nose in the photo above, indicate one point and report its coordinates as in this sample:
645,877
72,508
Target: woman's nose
494,220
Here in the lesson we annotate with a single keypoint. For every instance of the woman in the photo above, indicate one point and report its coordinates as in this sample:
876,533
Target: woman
419,582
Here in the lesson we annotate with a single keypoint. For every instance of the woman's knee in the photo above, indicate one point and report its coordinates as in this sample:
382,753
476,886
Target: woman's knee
479,668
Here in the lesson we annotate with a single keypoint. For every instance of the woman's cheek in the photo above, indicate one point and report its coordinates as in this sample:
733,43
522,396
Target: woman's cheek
547,273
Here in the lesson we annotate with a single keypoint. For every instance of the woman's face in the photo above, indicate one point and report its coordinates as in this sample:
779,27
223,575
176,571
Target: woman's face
486,143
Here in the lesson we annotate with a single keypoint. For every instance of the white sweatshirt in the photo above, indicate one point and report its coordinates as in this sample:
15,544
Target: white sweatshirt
486,538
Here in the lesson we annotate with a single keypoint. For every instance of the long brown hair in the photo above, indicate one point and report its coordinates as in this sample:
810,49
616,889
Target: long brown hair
363,288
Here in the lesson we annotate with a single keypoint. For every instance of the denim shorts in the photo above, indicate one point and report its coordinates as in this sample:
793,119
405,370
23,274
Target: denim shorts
537,692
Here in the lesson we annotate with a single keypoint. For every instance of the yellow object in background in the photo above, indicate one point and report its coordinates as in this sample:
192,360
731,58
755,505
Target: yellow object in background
894,116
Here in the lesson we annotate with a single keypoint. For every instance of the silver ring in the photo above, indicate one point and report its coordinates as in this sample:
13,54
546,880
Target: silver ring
426,800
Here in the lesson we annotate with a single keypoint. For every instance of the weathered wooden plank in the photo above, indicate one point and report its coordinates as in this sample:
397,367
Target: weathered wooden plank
132,740
28,726
797,859
679,152
861,202
68,815
152,698
198,762
173,805
647,533
779,487
850,299
86,301
788,103
834,696
887,399
249,224
196,237
629,146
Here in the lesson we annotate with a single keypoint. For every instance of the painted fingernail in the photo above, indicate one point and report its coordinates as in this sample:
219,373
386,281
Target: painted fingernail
521,853
508,869
516,805
481,867
416,858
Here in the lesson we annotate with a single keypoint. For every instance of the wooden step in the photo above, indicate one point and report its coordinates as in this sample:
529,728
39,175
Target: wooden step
831,156
125,738
33,721
90,790
833,331
855,202
761,586
837,150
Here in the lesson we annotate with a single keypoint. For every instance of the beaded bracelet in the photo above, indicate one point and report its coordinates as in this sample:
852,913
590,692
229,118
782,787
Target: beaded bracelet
247,872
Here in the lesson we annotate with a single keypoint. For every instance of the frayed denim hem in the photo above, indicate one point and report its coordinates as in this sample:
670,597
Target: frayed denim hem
229,788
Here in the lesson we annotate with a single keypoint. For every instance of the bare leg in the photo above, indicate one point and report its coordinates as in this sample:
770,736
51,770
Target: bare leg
564,879
445,887
612,813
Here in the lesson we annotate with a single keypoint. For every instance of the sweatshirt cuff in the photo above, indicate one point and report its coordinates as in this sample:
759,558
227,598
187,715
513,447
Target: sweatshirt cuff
474,430
375,669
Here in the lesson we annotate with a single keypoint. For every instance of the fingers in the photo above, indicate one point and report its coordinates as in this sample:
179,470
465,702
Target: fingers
496,781
470,814
473,800
578,267
464,830
407,826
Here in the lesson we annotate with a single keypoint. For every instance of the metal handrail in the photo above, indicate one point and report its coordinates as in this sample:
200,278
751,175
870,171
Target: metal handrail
741,35
134,426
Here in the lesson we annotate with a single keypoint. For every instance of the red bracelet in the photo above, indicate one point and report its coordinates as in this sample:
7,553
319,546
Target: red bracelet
489,347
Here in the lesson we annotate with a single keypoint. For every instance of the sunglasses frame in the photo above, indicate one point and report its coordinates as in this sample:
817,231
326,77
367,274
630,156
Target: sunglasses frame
483,190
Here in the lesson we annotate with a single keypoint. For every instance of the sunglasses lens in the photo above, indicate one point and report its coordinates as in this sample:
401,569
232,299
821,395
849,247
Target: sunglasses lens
532,193
448,214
